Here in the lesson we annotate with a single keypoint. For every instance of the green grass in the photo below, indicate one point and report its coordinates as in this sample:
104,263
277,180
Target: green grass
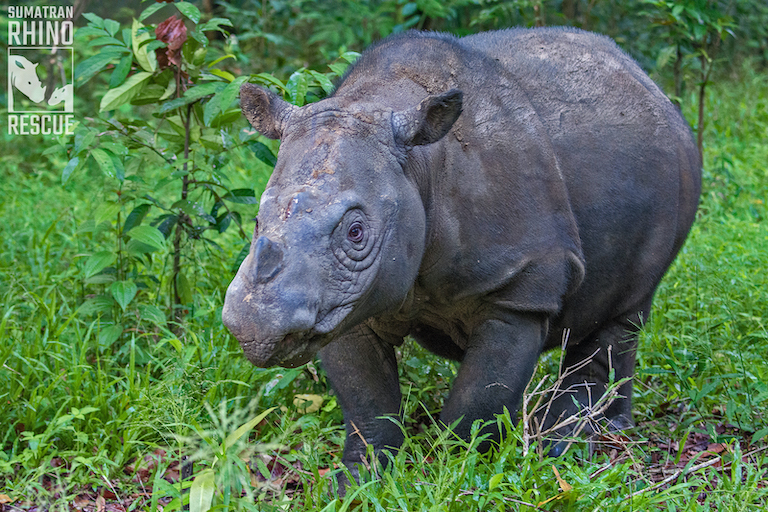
87,416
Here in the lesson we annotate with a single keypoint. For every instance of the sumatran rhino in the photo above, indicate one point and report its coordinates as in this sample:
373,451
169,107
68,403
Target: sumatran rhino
479,194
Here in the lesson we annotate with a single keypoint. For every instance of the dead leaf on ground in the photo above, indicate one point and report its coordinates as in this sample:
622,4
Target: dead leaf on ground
101,505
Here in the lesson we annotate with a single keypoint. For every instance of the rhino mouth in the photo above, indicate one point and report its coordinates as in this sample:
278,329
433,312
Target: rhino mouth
289,351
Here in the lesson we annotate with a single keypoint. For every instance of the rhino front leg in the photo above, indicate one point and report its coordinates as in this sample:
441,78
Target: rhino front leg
362,370
498,363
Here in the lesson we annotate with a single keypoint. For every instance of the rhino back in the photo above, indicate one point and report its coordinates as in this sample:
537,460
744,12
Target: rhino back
567,162
627,156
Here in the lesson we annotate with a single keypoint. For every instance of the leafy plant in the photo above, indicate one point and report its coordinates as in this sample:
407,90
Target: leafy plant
694,29
170,106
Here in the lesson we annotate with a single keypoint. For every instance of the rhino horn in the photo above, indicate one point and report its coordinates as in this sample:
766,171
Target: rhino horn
428,121
265,110
268,258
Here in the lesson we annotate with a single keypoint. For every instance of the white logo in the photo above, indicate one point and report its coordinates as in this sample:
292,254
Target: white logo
40,71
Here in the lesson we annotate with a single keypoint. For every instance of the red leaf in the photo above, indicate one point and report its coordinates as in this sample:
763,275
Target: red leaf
172,32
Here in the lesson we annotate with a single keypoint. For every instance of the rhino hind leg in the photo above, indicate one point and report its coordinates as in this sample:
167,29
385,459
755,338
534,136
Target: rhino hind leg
612,347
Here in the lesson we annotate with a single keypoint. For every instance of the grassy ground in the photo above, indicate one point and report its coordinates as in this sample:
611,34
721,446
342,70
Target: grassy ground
93,422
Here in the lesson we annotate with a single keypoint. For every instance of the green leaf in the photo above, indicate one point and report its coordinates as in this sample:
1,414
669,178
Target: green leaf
215,24
495,481
297,87
201,38
212,142
226,118
96,20
135,217
105,211
230,92
114,148
98,262
89,31
117,164
263,469
146,59
121,71
226,75
262,152
125,93
149,11
268,79
175,343
171,105
69,168
324,81
188,207
409,8
338,68
199,91
240,257
102,279
152,313
169,90
201,492
149,94
184,288
106,40
85,70
193,94
224,57
136,248
189,10
154,45
83,141
245,428
350,57
109,335
211,110
123,292
96,305
760,434
148,235
241,196
104,160
51,150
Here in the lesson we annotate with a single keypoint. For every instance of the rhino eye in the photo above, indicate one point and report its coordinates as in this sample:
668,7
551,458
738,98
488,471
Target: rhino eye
355,233
356,244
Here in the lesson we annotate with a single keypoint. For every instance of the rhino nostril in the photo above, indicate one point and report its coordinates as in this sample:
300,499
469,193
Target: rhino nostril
268,257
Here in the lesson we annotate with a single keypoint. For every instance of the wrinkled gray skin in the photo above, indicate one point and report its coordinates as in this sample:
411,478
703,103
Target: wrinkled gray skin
480,194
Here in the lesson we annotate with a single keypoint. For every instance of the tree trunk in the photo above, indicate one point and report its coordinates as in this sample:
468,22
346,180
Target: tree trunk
569,11
538,11
182,218
678,73
702,96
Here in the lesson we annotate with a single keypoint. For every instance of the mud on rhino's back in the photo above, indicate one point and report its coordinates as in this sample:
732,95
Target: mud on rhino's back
626,154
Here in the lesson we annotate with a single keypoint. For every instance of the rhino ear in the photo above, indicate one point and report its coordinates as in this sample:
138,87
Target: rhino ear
429,121
264,110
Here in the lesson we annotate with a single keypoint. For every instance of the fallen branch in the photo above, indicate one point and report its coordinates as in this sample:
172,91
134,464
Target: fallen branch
464,492
692,469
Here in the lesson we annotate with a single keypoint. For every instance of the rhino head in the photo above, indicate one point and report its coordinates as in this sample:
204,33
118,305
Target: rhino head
341,227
